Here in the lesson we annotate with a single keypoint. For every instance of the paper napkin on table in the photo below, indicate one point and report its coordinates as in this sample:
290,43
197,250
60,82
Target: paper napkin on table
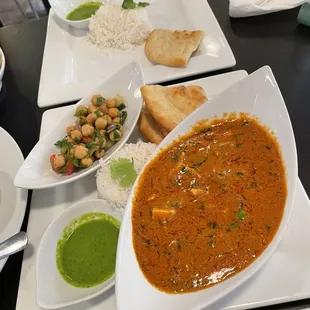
243,8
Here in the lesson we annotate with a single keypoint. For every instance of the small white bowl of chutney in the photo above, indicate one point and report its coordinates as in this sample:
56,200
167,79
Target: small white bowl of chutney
75,13
76,257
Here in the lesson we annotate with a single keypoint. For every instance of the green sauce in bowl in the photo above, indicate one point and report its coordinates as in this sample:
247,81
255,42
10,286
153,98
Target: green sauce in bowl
86,251
84,11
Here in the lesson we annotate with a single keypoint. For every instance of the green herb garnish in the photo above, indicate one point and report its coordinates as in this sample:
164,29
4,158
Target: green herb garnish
239,173
213,225
99,100
75,162
267,147
253,185
240,214
63,169
232,226
63,144
197,165
122,170
130,4
121,106
267,226
205,130
77,140
123,117
202,207
97,113
238,145
239,134
211,236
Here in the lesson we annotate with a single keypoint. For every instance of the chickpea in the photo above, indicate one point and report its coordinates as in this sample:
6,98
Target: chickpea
102,132
97,100
76,134
91,108
108,118
70,128
115,135
111,103
101,123
81,111
72,150
59,161
80,152
114,112
70,140
87,130
89,119
101,142
103,109
87,161
116,120
94,116
99,153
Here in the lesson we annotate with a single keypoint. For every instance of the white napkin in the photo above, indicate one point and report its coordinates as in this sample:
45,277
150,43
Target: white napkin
243,8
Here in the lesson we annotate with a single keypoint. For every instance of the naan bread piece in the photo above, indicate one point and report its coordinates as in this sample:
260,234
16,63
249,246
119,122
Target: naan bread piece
149,128
172,48
170,105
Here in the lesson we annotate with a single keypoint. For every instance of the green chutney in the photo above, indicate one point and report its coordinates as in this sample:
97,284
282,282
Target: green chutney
86,251
84,11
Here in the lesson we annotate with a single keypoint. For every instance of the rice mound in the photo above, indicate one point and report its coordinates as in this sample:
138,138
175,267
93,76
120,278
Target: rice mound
108,188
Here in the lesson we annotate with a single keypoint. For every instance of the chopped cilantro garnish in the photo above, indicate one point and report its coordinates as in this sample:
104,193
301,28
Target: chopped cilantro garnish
99,100
213,225
90,144
267,226
238,145
143,4
267,147
97,113
76,140
239,173
63,144
232,226
240,214
202,207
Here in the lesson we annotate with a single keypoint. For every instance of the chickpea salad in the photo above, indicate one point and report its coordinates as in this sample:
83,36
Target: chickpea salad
97,128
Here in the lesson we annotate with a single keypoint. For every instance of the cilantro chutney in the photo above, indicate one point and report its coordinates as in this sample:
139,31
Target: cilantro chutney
84,11
86,251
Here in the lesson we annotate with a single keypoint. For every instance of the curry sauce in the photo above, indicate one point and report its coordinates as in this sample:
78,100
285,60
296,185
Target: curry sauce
208,205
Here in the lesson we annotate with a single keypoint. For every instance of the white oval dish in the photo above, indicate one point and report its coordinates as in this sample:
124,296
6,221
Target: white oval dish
53,291
36,172
13,201
63,7
259,95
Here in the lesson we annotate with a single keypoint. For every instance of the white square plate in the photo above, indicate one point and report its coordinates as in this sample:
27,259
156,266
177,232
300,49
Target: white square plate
71,67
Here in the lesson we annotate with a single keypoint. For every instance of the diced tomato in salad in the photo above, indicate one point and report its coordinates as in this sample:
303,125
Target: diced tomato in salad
67,170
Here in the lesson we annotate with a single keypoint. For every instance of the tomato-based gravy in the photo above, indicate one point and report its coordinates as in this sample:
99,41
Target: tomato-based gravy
208,205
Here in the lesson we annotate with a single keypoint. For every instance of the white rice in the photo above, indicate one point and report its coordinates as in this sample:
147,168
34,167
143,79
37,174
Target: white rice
109,189
113,28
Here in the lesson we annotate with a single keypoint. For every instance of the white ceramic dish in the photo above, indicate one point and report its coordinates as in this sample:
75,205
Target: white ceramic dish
13,200
80,65
2,67
53,291
36,172
63,7
258,95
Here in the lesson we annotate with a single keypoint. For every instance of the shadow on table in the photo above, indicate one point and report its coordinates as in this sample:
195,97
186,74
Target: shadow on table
279,24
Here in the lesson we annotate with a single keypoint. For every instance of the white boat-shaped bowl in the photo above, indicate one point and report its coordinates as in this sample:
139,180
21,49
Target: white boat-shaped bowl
36,172
258,95
53,291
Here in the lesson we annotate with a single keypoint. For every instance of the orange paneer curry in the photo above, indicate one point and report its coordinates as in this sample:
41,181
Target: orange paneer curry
208,205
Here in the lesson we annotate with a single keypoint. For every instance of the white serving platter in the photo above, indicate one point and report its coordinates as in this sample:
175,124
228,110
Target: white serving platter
71,67
286,276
